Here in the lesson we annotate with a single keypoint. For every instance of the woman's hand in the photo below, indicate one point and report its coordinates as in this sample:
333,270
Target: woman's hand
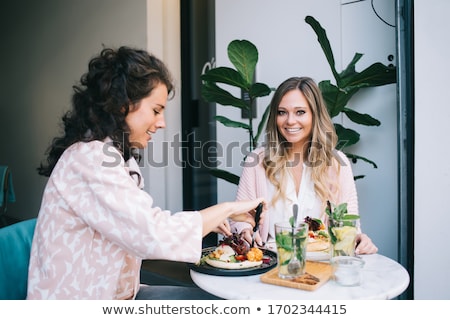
223,228
247,234
364,245
245,210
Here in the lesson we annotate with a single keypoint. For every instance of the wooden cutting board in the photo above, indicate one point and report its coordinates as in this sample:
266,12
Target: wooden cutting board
317,274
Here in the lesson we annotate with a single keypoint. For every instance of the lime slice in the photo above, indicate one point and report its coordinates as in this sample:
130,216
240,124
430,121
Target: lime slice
344,232
345,238
284,255
346,244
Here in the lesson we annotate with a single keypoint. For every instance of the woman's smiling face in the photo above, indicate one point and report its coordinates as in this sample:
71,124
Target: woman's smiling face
147,116
294,118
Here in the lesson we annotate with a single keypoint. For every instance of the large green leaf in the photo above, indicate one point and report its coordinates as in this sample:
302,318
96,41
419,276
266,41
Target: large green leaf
324,43
225,175
259,90
262,124
359,118
349,72
232,124
244,56
213,93
346,137
355,157
376,74
335,99
225,75
330,94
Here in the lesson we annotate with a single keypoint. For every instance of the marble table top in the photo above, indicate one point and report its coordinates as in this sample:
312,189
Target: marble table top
382,278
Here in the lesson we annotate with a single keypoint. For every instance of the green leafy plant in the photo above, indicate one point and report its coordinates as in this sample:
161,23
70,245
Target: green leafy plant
348,83
244,57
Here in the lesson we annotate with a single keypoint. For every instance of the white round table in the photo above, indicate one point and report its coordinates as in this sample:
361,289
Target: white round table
382,278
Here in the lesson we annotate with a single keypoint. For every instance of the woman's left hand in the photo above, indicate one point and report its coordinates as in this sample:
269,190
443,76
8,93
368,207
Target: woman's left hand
364,245
247,235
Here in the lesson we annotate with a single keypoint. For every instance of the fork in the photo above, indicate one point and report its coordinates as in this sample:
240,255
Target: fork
256,227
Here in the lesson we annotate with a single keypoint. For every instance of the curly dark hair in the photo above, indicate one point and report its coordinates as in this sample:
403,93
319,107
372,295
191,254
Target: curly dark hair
100,103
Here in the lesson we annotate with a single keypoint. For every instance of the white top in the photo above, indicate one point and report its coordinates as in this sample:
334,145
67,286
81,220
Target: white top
308,202
253,184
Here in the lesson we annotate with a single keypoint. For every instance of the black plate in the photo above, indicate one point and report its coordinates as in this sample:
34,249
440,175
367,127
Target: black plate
206,268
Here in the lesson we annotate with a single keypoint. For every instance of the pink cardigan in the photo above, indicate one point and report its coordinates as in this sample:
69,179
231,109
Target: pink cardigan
253,184
96,225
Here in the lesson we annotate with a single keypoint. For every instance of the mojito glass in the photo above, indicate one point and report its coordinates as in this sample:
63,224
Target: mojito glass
343,236
286,238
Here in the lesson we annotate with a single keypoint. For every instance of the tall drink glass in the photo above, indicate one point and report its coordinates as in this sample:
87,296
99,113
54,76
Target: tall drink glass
291,244
343,236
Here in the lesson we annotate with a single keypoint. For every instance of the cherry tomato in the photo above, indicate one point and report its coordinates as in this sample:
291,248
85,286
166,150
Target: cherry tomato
240,257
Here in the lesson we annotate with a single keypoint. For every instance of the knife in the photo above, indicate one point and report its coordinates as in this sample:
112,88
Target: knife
257,217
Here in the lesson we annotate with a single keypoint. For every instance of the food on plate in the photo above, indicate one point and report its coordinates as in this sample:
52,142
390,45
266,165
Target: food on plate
235,241
314,245
254,254
318,237
234,253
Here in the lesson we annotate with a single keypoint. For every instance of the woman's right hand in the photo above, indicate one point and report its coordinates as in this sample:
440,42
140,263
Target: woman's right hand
223,228
245,210
242,211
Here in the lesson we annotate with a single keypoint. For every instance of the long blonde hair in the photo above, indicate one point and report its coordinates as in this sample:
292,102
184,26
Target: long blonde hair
318,152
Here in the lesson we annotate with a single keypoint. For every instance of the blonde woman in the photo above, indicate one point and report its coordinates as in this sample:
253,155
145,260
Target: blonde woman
298,164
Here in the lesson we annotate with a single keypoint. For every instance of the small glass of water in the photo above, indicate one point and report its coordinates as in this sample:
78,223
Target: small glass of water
347,271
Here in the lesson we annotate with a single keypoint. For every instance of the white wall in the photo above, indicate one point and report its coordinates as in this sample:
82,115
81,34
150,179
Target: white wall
288,46
165,183
377,192
432,165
